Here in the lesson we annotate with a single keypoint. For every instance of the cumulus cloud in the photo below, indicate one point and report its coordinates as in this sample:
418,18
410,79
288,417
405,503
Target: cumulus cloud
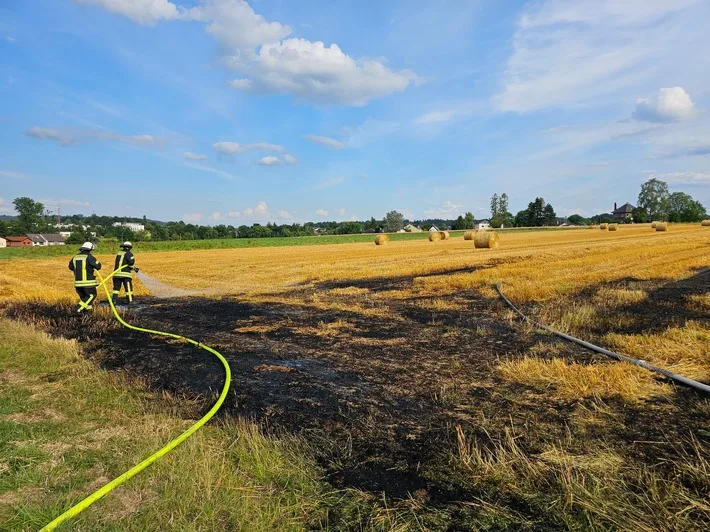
447,210
670,105
565,53
330,182
328,142
194,156
269,160
290,159
194,217
260,211
321,212
72,136
145,12
316,73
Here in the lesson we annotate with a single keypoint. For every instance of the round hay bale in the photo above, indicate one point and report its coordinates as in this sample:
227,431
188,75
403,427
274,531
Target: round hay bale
434,236
381,240
705,223
444,235
662,226
468,235
485,239
613,227
603,227
653,224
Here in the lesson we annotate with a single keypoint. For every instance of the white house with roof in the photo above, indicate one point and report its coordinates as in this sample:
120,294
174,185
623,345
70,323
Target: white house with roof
3,242
135,227
482,225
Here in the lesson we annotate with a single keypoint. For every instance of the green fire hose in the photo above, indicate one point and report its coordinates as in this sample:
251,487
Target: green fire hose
91,499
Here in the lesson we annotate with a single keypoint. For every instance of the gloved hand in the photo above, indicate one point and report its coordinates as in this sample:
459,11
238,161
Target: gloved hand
136,269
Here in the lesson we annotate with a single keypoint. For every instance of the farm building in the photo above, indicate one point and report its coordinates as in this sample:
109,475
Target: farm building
135,227
623,213
3,243
482,225
18,241
433,229
46,240
409,228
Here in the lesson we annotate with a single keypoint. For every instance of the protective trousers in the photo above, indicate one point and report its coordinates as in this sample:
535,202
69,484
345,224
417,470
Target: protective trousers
127,284
87,295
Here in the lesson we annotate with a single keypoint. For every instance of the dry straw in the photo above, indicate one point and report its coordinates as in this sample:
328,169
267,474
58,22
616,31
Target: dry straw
654,224
661,226
485,239
603,227
444,235
434,236
705,223
613,227
382,240
468,235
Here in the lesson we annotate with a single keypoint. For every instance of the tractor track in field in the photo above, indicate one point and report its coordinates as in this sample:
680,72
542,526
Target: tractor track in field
379,398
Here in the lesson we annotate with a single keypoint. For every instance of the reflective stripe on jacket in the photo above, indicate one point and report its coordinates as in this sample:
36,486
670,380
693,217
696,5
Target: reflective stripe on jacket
124,262
84,266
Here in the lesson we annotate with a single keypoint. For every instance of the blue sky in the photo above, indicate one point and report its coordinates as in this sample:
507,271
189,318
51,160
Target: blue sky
227,111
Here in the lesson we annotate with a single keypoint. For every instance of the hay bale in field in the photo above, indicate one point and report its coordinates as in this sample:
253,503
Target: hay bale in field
434,236
485,239
705,223
381,240
444,235
662,226
603,227
613,227
468,235
653,224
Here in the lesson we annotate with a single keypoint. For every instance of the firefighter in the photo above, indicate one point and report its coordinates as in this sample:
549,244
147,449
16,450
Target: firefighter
123,277
84,265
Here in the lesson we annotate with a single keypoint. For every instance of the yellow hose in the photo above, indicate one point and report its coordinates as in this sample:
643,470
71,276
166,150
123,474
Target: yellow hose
91,499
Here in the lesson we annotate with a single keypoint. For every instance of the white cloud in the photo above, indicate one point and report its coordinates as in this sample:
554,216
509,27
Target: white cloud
48,202
13,175
290,159
212,170
10,39
229,148
269,160
234,214
684,178
327,183
261,211
216,216
146,12
233,148
341,212
44,133
240,84
328,142
447,210
72,136
316,73
567,53
194,156
670,105
285,215
435,117
195,217
321,212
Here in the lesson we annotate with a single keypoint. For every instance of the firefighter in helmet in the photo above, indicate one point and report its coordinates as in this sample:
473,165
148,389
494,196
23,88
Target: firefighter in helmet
123,267
84,265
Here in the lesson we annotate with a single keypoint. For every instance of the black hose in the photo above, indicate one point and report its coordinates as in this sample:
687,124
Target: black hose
642,363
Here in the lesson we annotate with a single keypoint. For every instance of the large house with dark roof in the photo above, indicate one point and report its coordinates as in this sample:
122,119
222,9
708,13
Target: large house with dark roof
624,213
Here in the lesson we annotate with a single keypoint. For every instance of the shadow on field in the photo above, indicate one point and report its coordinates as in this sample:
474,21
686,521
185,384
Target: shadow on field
379,398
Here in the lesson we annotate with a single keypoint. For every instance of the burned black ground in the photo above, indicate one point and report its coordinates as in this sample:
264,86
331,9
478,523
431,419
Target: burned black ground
379,398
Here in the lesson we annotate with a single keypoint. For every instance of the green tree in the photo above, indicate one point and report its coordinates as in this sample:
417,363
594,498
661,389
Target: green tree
349,228
639,215
393,222
29,219
549,214
683,208
576,219
495,206
653,199
522,219
468,221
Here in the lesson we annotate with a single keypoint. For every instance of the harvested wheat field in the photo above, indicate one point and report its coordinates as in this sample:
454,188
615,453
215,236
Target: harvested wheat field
417,398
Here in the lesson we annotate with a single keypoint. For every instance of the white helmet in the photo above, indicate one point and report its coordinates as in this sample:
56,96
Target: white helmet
126,244
87,246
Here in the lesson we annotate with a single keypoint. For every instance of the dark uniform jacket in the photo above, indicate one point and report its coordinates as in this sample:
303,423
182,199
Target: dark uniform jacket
124,263
83,266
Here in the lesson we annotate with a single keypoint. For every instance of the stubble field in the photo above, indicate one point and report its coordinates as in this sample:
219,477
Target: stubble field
409,390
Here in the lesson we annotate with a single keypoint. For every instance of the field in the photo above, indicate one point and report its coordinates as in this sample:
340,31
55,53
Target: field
375,387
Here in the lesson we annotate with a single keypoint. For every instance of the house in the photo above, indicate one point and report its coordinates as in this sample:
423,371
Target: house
482,225
623,213
433,229
46,240
409,228
18,241
130,225
3,243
